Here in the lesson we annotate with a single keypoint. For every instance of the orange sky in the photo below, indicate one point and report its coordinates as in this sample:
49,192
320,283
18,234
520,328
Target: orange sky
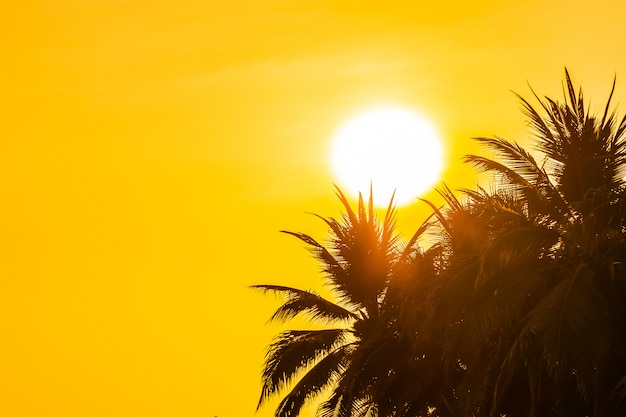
151,150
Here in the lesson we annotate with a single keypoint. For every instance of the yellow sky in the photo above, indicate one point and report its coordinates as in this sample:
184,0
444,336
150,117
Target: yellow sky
151,150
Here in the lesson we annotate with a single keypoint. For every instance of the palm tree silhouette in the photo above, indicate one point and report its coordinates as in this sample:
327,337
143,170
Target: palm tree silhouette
351,355
548,278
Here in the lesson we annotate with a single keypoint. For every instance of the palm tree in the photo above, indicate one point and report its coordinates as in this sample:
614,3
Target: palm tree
548,278
492,255
359,353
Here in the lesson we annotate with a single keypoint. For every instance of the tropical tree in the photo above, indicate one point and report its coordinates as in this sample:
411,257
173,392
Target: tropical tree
359,355
544,270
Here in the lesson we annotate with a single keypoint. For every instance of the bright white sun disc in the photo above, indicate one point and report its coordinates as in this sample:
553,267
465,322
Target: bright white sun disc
390,148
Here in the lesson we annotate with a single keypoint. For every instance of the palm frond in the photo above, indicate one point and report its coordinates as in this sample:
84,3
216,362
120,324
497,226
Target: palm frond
370,204
293,351
359,379
569,326
410,245
514,250
334,406
346,204
453,204
365,407
476,386
605,114
307,302
389,221
438,213
514,158
335,271
576,101
312,383
580,334
521,170
489,318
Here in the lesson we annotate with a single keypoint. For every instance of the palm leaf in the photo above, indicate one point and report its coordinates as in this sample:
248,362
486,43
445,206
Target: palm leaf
514,250
333,407
293,351
569,325
301,301
356,380
335,271
313,382
490,317
603,122
522,171
346,204
365,407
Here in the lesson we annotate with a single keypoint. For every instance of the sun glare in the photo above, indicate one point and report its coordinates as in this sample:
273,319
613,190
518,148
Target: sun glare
391,148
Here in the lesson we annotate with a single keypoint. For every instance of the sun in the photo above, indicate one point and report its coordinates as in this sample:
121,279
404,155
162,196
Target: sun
391,148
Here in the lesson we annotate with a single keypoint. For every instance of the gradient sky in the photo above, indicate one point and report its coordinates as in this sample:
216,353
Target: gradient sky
150,151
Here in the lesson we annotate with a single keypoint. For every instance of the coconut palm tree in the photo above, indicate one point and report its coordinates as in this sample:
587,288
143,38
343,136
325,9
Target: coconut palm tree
359,353
549,280
490,277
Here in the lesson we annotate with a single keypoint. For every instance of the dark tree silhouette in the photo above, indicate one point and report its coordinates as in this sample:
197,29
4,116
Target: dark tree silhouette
548,279
361,346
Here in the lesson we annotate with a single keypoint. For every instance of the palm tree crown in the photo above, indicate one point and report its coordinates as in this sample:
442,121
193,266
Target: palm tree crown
357,265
